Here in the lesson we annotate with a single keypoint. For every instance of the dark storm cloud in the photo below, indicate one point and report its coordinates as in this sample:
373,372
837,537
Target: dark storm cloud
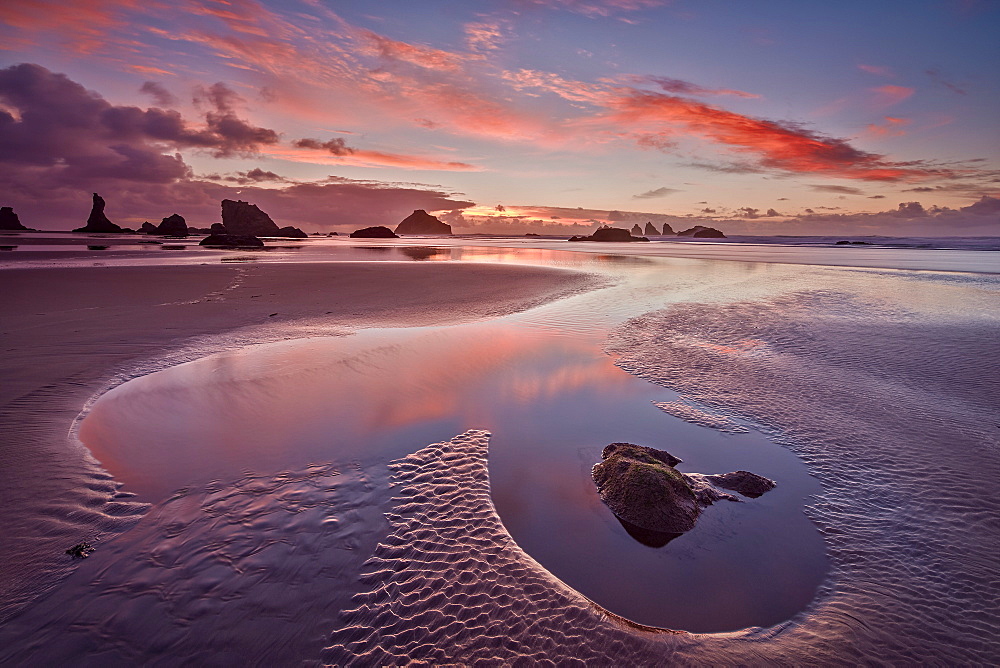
336,146
159,93
658,192
70,135
840,190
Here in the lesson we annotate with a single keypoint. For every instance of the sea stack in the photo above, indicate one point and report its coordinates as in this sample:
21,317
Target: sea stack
173,226
98,222
9,220
243,218
702,232
421,222
636,230
667,230
376,232
650,231
607,233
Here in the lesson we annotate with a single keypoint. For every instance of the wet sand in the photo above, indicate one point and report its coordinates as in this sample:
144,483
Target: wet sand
789,348
68,334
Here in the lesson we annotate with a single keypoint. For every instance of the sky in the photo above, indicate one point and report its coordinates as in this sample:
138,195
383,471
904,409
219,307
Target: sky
513,116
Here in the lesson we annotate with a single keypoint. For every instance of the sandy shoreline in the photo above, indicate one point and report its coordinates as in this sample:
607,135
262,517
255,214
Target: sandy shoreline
257,565
70,333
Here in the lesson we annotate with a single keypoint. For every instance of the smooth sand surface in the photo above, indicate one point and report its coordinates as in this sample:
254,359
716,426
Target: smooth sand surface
69,333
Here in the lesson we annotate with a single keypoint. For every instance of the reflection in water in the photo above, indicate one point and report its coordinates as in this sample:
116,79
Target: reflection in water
647,537
422,252
552,401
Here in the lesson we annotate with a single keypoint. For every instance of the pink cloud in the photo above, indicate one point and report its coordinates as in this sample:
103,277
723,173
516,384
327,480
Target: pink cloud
598,8
893,127
877,70
889,95
320,155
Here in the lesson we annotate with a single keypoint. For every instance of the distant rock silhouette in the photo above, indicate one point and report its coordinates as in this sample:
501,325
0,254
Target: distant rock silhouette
609,234
647,494
232,241
9,220
241,217
332,234
531,234
377,232
421,222
702,232
173,226
98,222
148,228
636,230
291,233
667,230
651,231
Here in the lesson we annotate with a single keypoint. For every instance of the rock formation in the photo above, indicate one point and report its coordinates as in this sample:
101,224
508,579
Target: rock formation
217,228
173,226
702,232
636,230
609,234
377,232
643,489
232,241
291,233
148,228
650,231
98,222
9,220
244,218
421,222
667,230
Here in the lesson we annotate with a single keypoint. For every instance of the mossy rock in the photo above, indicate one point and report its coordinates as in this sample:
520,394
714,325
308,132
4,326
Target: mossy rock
641,486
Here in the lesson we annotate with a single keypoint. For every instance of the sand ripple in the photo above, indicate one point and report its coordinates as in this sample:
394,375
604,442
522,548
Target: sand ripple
450,586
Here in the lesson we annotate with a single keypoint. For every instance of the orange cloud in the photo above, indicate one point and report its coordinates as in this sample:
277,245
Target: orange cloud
778,146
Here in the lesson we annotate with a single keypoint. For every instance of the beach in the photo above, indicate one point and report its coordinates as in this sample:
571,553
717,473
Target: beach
290,460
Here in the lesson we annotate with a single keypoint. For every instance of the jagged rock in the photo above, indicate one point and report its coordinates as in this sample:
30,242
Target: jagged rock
743,482
173,226
650,231
332,234
421,222
643,489
702,232
290,232
98,222
232,241
10,221
609,234
80,550
667,230
241,217
377,232
148,228
636,230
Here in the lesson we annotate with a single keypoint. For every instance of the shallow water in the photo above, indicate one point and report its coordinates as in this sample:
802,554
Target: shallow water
861,371
552,401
